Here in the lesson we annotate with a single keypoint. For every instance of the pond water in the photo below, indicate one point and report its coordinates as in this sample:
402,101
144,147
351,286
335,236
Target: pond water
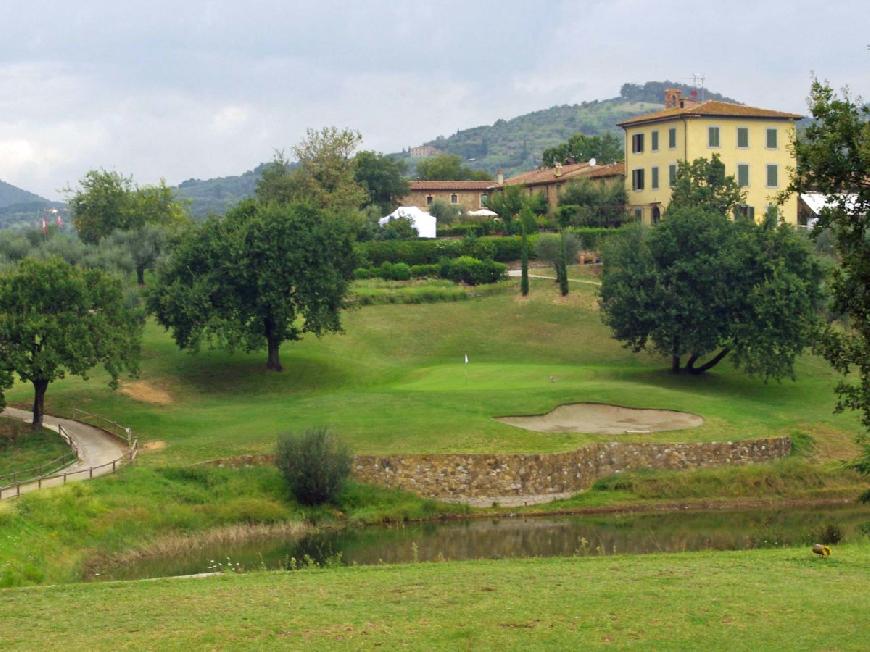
521,537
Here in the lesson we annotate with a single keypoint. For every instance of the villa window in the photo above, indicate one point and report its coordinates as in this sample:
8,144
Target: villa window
672,174
742,137
654,178
746,212
454,198
713,137
637,144
483,199
772,176
654,141
672,137
637,179
772,138
429,200
638,214
742,175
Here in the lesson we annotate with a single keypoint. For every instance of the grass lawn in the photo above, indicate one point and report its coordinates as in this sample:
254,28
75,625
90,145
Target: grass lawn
25,452
761,599
395,382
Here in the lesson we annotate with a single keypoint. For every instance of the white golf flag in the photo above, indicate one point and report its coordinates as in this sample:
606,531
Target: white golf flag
466,358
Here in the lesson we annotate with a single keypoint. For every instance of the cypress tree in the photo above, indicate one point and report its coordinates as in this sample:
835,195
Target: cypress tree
524,283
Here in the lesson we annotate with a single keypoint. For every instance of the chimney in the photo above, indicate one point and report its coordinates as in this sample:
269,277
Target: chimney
673,98
499,177
558,172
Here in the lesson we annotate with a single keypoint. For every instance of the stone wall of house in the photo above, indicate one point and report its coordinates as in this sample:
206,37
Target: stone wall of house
469,200
473,476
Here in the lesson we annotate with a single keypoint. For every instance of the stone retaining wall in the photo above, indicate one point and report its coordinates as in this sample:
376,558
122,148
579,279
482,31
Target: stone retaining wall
470,477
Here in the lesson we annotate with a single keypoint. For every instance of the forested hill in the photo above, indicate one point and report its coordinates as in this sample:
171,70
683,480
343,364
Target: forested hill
20,207
11,195
516,145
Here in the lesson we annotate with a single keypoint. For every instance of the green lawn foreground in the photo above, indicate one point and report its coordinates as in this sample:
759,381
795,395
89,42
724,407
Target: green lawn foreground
752,600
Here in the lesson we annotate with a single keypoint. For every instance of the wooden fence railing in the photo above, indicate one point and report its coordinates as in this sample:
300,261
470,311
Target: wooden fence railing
126,434
46,468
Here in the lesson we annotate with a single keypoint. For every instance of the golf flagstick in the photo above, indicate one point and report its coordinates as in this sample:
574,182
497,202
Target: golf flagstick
465,367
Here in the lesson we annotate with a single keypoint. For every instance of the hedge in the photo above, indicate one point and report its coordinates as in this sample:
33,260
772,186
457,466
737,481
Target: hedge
464,269
502,248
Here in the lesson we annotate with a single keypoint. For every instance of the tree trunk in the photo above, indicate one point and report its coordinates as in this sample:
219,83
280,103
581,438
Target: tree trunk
39,387
273,361
712,362
675,357
140,275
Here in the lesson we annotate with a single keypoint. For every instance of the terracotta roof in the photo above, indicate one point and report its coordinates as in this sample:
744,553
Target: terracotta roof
452,185
544,176
713,108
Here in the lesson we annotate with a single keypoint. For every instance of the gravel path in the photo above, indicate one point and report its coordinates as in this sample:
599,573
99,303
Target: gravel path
96,448
517,273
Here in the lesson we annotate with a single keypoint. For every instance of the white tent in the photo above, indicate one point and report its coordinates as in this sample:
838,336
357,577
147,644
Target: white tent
483,212
420,220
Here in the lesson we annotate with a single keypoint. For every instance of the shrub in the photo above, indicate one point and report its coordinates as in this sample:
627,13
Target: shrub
315,465
477,248
423,271
361,273
473,271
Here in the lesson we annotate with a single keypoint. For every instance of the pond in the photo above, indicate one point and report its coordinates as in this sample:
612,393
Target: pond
541,536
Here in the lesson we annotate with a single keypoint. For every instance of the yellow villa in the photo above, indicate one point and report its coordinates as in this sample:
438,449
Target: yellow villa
754,144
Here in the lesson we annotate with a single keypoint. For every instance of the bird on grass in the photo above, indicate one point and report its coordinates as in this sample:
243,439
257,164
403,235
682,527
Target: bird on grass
821,550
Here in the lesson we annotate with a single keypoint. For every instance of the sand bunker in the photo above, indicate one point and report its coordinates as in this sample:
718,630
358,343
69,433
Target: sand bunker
142,391
601,419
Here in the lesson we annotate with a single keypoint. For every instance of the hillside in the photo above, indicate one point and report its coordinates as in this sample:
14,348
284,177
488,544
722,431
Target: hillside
11,195
513,145
516,145
19,207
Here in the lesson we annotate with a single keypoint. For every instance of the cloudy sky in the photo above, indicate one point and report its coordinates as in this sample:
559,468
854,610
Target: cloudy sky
201,89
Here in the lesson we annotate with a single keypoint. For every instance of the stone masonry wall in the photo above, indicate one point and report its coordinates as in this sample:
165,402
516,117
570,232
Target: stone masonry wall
469,476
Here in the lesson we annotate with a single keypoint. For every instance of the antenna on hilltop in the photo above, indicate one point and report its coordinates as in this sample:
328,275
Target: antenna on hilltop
698,83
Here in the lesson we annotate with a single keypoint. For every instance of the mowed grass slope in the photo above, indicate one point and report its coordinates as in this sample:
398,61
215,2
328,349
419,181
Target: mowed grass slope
782,599
395,381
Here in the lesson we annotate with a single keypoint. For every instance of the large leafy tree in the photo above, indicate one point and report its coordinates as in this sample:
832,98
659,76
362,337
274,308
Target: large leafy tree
703,184
703,286
57,319
511,201
606,148
833,157
101,204
448,167
322,176
587,202
106,202
264,274
383,178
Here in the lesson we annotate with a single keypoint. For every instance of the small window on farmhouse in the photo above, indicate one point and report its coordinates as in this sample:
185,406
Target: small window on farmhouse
746,212
771,138
637,143
672,137
772,176
483,199
428,200
654,141
454,198
713,137
637,179
742,137
742,175
654,178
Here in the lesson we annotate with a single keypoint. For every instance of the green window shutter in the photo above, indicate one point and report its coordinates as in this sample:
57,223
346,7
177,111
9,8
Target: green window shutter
742,137
713,136
654,181
772,176
672,137
654,145
672,175
772,138
743,175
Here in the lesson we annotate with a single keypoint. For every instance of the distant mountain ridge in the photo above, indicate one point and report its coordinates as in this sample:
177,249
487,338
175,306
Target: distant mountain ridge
11,195
23,208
